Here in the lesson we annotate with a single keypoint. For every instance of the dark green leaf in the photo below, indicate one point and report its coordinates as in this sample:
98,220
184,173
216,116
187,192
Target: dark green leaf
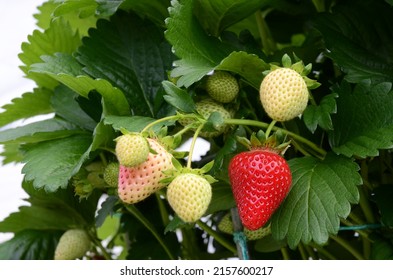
50,165
360,42
39,131
216,16
175,224
381,250
28,105
107,209
39,218
315,115
222,198
322,192
67,70
178,98
383,198
30,245
199,53
155,10
269,244
130,53
65,105
364,120
229,147
65,202
248,66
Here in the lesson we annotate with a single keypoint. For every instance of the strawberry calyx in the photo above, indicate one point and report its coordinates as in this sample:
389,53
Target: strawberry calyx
180,169
260,141
297,66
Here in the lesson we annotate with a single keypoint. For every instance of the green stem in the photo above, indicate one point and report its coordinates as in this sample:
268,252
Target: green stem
319,5
264,125
302,251
217,237
163,210
323,251
364,202
169,118
192,146
348,247
181,132
134,211
97,242
269,128
285,253
268,43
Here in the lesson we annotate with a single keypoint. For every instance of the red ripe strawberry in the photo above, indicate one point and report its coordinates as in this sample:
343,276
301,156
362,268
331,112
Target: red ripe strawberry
138,182
260,180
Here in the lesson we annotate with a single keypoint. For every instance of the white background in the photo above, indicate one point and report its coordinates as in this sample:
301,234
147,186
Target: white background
16,23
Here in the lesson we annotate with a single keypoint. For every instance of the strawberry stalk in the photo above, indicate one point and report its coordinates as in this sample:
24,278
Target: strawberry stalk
135,212
192,146
216,236
320,153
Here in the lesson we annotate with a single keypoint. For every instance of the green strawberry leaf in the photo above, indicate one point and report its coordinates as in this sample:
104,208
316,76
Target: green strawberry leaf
363,123
65,69
178,98
11,153
51,164
59,37
381,250
66,106
322,192
199,53
78,20
249,66
367,54
132,54
85,8
216,16
222,198
214,122
39,131
315,115
28,105
30,245
38,218
155,10
107,209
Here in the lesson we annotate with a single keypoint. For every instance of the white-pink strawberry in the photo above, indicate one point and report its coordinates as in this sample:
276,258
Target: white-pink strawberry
138,182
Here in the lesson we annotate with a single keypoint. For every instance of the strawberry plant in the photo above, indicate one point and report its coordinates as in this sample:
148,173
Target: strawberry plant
293,98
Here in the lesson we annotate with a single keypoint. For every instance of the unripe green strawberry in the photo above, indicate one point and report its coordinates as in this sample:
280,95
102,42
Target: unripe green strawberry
205,108
131,149
111,174
222,86
73,244
226,226
283,94
189,195
138,182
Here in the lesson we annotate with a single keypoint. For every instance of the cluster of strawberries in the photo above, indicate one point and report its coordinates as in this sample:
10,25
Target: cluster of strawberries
260,177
